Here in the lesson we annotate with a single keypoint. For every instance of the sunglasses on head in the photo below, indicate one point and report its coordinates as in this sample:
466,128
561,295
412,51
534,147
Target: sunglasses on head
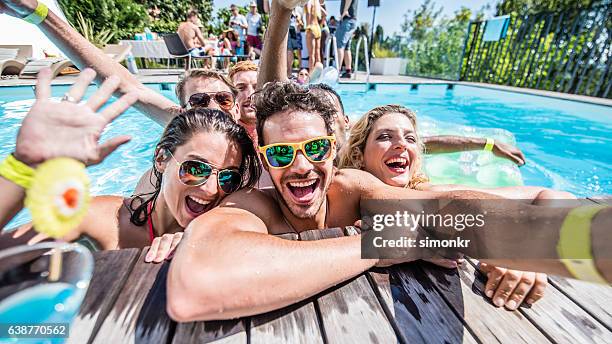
196,173
282,155
224,99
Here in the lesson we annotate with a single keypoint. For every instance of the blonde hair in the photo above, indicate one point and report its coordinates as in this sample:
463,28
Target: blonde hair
351,155
242,66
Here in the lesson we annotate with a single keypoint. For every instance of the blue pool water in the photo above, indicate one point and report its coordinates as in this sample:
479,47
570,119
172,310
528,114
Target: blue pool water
568,144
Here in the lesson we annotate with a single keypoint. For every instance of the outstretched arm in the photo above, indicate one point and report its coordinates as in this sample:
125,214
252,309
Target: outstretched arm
532,230
228,266
65,129
452,144
273,66
84,54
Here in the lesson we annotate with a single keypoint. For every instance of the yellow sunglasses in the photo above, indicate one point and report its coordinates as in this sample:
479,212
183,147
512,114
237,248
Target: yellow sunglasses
282,155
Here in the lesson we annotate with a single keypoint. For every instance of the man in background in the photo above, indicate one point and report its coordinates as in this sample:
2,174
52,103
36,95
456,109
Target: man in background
238,22
191,35
254,23
344,34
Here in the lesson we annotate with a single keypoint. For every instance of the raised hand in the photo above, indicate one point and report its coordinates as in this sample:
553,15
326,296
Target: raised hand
68,128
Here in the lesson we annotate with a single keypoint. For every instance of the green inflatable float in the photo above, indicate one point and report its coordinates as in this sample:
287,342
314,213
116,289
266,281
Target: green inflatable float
474,168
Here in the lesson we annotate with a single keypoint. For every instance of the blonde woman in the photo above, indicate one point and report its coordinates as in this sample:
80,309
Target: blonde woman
385,143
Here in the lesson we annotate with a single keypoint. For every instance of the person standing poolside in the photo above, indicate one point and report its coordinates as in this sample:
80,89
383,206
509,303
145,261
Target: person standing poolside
191,35
238,22
314,14
344,34
294,41
255,24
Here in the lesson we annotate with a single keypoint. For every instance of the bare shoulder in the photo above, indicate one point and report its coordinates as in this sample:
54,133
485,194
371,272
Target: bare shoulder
260,203
101,222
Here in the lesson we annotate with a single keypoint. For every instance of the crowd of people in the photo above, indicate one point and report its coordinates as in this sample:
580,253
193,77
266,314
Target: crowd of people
252,155
309,30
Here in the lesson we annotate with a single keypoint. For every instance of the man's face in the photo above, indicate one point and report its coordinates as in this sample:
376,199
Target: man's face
234,10
209,85
253,9
302,185
245,82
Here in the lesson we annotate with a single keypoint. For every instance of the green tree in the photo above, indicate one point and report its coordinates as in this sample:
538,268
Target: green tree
166,15
121,17
434,43
522,7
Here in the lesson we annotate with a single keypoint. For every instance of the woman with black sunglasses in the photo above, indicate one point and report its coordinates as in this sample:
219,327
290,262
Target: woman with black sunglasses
202,156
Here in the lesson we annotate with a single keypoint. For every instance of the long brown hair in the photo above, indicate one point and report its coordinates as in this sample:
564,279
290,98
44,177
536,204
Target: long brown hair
180,130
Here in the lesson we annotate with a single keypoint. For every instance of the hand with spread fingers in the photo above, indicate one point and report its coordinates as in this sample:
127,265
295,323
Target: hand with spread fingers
510,288
70,128
163,247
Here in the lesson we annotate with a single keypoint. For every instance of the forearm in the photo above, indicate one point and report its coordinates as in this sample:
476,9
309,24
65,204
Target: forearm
450,144
84,54
532,194
249,273
273,66
11,201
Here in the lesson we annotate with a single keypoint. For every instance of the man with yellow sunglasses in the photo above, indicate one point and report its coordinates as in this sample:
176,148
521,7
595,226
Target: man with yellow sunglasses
230,266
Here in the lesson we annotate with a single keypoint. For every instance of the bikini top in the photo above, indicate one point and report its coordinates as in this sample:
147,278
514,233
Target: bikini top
150,223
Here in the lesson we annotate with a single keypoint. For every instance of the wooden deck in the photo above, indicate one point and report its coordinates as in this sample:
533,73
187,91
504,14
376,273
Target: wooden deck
411,303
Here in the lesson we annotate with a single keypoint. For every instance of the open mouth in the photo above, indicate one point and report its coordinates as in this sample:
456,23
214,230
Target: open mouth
303,191
197,206
397,165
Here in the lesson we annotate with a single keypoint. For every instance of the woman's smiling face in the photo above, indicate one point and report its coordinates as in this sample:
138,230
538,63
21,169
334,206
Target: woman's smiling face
392,149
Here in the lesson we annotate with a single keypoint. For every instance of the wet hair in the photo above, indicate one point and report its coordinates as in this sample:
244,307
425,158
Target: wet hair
279,96
200,73
327,88
180,130
352,154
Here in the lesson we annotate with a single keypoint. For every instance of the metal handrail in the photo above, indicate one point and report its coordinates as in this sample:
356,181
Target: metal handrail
328,44
362,38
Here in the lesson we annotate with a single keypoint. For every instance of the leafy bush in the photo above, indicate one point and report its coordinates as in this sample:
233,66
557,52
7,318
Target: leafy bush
166,15
121,17
86,28
382,52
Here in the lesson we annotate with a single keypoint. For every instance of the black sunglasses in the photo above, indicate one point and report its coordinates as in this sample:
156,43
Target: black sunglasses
225,99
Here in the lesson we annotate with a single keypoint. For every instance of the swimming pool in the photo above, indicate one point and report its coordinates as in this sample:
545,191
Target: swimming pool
568,144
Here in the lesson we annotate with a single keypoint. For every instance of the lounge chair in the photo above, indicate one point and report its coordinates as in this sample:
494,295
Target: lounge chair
117,52
58,65
13,58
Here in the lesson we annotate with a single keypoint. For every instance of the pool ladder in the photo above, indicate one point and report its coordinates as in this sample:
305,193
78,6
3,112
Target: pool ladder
331,42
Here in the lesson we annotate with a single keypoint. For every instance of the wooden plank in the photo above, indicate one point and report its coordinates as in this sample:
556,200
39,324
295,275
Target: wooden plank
464,292
563,321
229,331
111,271
420,312
350,312
595,299
294,324
139,313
